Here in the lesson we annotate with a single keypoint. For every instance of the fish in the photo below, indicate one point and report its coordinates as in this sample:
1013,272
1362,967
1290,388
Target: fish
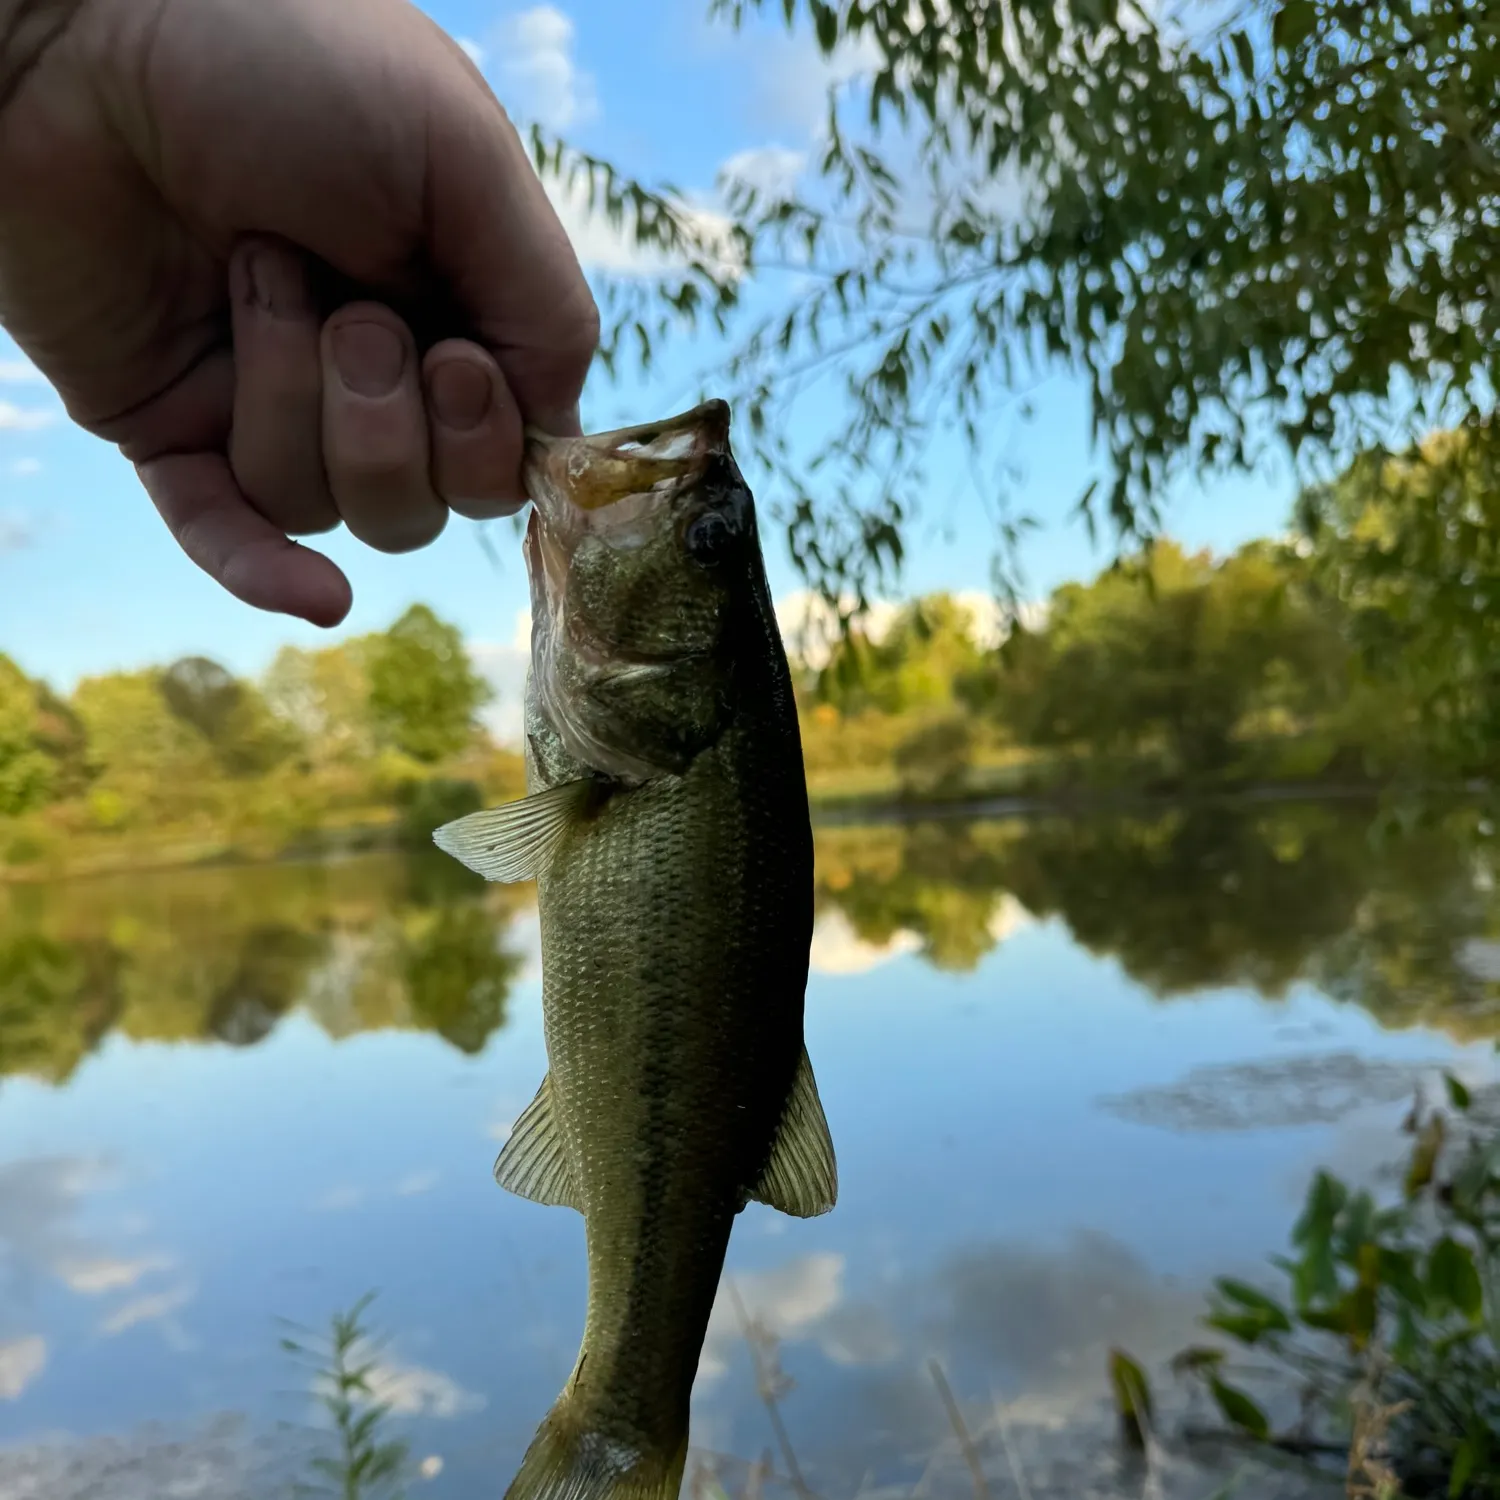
667,828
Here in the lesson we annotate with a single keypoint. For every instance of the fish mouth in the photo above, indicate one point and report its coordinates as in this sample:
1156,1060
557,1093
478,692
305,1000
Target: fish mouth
603,471
611,484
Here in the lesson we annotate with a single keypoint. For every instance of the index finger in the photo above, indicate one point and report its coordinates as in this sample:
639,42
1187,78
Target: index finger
236,546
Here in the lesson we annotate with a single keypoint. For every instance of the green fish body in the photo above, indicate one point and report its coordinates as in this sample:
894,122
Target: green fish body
666,825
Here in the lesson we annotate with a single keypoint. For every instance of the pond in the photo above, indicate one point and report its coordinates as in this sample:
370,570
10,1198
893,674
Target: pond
1074,1069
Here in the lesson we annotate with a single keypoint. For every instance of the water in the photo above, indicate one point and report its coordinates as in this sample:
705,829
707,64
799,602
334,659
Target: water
1074,1068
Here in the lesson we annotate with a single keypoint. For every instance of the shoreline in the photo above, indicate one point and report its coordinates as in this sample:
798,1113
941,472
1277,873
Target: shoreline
828,810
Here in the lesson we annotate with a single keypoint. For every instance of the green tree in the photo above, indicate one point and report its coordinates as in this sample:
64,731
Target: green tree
325,697
424,691
943,882
56,1001
1408,545
1237,222
1172,651
28,775
147,763
231,715
910,666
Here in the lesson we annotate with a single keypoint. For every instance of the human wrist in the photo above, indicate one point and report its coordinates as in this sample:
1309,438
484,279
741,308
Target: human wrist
28,30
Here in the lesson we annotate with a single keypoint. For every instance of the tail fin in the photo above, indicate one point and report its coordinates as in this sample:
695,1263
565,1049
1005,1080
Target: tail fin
568,1460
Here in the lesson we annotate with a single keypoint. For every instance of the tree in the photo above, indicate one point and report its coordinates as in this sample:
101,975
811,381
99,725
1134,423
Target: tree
1200,898
1263,226
910,665
942,882
459,974
1408,545
131,729
28,775
325,697
424,692
231,715
56,1001
1175,651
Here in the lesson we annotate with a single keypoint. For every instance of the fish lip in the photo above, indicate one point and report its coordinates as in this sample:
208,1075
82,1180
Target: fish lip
570,478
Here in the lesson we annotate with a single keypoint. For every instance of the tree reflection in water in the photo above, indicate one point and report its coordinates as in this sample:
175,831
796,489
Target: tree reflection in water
1400,917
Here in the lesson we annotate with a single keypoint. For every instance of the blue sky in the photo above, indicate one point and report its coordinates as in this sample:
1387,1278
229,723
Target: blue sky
90,581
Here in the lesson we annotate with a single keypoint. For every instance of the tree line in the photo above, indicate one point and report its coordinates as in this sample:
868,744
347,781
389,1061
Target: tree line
352,732
1360,646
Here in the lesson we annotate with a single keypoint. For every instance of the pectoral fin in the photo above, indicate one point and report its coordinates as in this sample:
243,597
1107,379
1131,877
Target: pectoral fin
534,1162
514,842
801,1178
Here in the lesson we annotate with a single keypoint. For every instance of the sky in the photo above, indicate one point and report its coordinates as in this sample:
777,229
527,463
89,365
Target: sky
90,581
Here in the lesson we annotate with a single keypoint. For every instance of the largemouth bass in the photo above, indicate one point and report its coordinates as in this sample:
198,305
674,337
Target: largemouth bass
666,825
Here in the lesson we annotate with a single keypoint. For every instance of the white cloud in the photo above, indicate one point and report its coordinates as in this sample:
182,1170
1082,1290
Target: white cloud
787,1302
771,170
790,78
156,1307
20,372
15,418
39,1201
838,949
601,247
416,1183
809,627
476,53
94,1277
21,1361
24,468
535,73
414,1391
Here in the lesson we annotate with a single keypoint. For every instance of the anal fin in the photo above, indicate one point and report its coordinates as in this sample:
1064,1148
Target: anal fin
801,1178
534,1162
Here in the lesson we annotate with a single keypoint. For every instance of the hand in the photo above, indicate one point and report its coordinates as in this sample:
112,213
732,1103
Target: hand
291,257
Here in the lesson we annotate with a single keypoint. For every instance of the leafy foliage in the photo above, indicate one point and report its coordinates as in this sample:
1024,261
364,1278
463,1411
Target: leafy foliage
1389,1317
365,1464
1264,226
424,693
27,773
1174,651
190,757
230,715
1408,547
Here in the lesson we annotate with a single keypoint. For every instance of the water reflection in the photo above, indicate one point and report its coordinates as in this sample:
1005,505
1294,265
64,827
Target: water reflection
1400,920
260,1092
224,955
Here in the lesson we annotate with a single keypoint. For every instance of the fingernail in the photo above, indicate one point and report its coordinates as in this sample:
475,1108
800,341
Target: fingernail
370,358
461,394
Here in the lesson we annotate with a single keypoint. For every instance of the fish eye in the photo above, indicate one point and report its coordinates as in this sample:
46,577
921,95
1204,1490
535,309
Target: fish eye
708,538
